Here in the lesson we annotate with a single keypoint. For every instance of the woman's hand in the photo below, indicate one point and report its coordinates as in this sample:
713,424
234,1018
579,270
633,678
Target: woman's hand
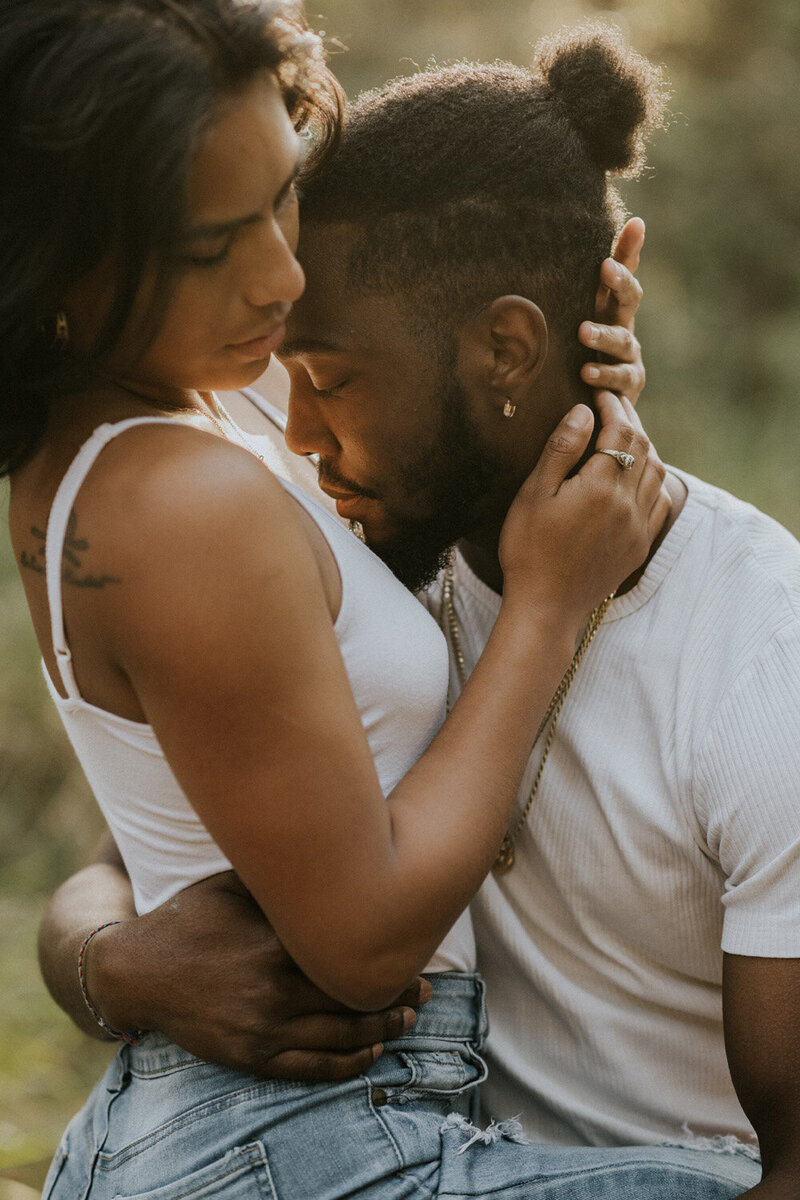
619,367
568,542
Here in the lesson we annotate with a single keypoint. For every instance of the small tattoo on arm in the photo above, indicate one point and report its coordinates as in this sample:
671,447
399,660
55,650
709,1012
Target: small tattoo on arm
71,561
35,561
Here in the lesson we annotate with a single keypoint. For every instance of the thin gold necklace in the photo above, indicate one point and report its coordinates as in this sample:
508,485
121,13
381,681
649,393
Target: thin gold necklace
505,855
239,435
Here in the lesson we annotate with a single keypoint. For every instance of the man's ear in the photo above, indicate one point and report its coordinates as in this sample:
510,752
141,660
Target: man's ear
502,349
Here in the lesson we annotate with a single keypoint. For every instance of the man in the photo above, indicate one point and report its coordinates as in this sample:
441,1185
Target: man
648,911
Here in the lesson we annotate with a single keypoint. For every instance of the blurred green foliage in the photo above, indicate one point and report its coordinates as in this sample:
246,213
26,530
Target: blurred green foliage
720,326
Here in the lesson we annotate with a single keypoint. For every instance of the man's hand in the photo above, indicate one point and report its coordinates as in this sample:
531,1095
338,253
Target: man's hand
619,367
207,970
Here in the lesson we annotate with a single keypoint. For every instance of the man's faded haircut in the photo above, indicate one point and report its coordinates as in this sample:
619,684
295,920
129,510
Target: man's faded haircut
472,181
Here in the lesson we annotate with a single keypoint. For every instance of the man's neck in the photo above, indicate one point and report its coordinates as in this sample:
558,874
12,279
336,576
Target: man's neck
480,551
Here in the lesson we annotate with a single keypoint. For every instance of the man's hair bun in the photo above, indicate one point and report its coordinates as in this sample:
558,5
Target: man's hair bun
612,95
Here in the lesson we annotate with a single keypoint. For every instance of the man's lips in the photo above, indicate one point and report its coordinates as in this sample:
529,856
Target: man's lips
347,503
260,347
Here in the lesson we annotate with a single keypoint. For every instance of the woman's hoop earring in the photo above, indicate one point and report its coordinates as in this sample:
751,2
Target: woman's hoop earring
60,330
509,409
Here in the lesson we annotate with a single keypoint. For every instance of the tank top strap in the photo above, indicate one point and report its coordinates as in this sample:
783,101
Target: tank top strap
57,523
269,410
266,408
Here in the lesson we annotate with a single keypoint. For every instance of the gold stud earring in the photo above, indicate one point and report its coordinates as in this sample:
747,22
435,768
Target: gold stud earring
62,331
509,409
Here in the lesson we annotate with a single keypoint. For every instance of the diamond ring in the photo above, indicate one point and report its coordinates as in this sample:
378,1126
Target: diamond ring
625,461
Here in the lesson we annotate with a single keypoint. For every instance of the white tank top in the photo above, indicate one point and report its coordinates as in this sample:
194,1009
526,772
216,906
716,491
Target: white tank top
396,660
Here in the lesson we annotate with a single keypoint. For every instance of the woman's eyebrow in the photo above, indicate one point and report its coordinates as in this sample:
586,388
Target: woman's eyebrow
220,228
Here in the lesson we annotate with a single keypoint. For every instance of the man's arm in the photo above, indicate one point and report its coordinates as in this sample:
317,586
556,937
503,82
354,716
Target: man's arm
761,998
207,970
745,789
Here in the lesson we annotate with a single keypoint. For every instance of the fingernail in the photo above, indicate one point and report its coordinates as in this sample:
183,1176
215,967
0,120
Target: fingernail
591,373
592,334
425,991
409,1018
377,1051
579,417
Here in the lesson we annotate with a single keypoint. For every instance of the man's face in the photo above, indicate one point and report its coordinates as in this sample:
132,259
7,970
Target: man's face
397,447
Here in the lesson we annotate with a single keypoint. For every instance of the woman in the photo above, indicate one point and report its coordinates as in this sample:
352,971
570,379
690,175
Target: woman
205,629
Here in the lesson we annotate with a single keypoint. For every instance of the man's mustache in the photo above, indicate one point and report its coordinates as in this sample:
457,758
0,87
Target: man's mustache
328,474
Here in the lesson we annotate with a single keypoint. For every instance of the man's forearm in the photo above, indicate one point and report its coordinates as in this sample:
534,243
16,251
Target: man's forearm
207,970
99,893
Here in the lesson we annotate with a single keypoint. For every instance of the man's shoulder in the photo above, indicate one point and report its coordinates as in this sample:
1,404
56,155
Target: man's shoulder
742,547
740,512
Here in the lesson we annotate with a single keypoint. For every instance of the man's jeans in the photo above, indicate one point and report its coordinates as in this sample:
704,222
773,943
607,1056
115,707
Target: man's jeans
163,1125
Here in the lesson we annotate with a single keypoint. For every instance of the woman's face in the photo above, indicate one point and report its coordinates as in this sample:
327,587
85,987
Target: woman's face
237,272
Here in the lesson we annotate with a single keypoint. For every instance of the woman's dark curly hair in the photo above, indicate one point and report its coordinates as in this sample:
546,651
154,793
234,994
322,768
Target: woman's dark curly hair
467,182
103,102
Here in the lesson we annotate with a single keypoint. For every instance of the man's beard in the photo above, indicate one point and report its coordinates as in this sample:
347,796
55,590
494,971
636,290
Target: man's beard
453,474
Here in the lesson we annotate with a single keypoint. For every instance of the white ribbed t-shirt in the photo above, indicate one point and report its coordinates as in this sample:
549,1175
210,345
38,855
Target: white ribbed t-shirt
666,830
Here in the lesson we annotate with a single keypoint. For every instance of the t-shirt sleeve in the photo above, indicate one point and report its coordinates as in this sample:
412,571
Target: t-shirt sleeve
747,798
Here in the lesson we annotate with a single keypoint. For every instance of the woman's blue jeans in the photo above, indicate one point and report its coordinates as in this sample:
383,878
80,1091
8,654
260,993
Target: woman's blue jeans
163,1125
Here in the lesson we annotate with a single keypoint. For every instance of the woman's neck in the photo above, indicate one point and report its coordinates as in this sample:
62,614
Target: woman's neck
75,417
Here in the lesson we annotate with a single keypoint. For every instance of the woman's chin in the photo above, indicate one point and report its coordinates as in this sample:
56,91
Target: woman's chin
232,377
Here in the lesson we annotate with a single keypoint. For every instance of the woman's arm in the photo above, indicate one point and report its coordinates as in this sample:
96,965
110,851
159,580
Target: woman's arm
223,628
260,1014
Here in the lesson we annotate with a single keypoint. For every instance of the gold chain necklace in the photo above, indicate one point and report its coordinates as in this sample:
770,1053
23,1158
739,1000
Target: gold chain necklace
505,855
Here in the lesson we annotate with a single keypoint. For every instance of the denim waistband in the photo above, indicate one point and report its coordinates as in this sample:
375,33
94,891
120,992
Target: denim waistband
455,1013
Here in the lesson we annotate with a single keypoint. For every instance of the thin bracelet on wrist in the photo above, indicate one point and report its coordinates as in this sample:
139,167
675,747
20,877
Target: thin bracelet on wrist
131,1038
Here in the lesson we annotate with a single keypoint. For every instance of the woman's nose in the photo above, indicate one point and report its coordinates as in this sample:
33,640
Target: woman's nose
274,276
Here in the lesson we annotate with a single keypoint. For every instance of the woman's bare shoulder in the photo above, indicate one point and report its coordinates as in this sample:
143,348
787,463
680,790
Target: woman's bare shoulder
167,506
172,476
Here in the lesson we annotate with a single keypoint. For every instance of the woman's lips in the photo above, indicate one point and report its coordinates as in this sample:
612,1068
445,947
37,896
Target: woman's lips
260,347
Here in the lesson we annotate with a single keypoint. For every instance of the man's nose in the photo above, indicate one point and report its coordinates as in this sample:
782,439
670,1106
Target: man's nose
307,432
